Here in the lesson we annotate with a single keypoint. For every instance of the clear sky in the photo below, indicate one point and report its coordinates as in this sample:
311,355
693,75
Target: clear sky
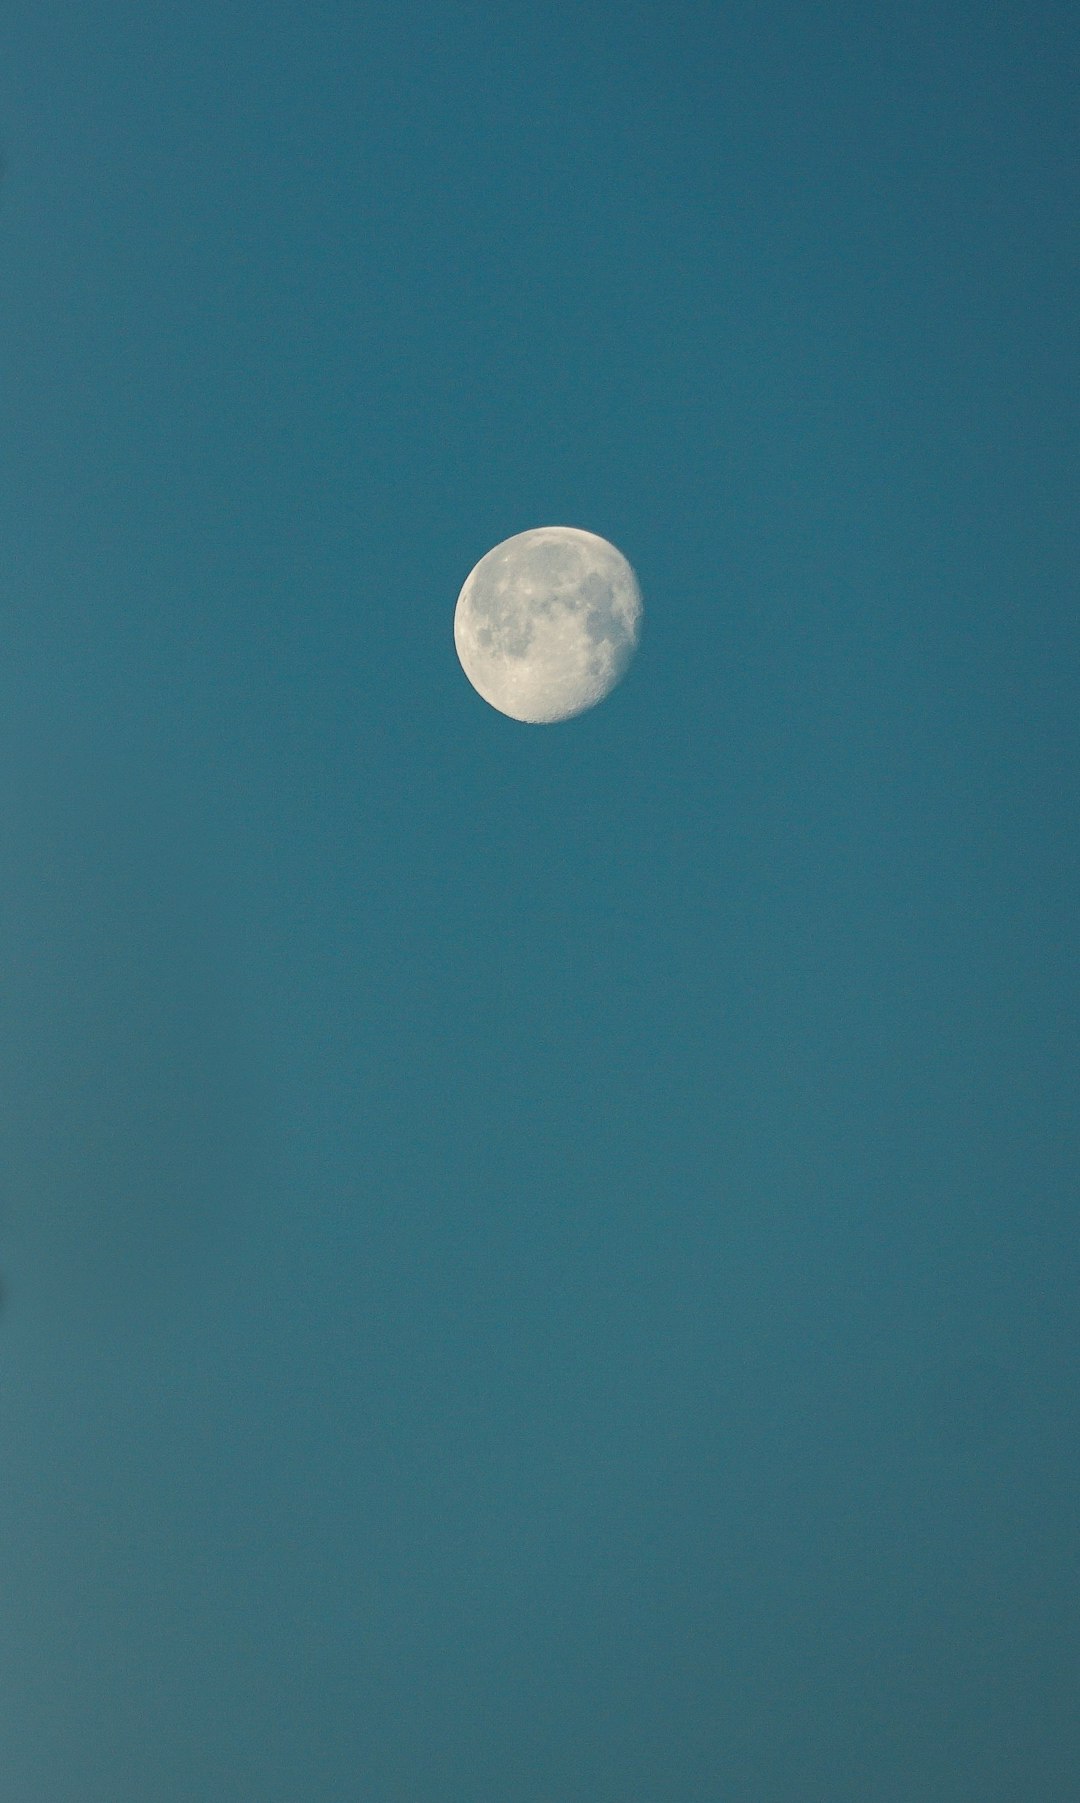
540,1263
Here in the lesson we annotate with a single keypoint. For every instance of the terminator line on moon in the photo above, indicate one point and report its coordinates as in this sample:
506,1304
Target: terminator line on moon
547,623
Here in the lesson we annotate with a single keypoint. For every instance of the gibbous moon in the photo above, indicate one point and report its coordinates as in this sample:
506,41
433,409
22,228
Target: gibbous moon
547,623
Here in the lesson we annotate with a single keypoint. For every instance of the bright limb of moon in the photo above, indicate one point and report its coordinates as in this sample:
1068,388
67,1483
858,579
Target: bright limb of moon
547,623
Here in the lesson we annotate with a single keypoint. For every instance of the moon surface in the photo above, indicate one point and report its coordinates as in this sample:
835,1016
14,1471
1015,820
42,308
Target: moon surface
547,623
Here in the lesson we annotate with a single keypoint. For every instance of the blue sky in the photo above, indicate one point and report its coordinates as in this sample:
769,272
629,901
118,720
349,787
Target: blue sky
540,1263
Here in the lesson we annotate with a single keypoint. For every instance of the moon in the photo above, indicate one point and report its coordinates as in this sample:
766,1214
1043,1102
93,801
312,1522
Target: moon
547,622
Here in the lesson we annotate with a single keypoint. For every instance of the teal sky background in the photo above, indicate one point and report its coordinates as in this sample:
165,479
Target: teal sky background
540,1263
